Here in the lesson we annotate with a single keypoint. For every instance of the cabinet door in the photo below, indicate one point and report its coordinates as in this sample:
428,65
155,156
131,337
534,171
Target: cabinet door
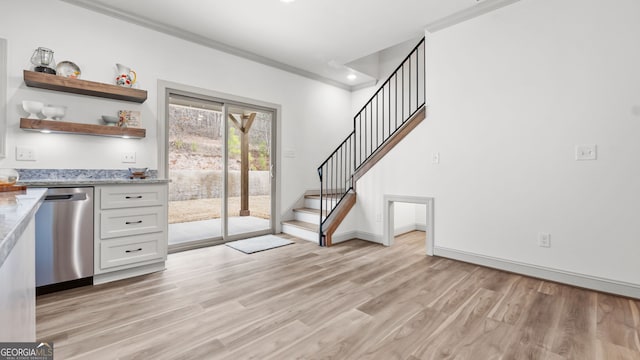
128,196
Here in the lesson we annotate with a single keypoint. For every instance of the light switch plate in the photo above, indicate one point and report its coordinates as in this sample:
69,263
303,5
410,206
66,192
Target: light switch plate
25,153
435,158
544,240
586,152
129,157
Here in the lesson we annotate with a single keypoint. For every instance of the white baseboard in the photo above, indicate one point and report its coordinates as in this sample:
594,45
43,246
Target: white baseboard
127,273
375,238
338,238
561,276
408,228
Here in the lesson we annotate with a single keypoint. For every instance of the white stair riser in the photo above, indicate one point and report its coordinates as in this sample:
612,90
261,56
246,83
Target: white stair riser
306,217
315,203
300,233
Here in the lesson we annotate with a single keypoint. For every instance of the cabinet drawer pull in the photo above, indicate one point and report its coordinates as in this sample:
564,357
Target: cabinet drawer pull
136,250
133,197
133,222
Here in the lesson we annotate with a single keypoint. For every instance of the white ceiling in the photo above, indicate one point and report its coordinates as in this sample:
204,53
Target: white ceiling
314,38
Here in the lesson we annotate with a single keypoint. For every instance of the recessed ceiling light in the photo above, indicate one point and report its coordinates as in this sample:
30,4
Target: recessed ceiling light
352,76
287,1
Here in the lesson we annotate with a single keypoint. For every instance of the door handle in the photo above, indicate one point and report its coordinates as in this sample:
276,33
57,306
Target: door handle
136,250
66,197
133,197
133,222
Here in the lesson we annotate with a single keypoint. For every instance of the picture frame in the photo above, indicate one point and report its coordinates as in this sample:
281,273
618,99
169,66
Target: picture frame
129,118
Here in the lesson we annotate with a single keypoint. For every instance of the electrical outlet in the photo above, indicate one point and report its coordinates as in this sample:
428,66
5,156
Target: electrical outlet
586,152
129,157
25,154
435,158
378,217
544,240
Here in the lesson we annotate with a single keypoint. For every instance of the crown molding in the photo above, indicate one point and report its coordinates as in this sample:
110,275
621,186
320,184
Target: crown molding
466,14
204,41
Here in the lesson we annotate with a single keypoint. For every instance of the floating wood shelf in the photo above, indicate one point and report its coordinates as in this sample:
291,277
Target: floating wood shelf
83,87
82,129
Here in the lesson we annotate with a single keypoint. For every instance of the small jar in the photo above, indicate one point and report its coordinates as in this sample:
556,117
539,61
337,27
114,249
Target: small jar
8,177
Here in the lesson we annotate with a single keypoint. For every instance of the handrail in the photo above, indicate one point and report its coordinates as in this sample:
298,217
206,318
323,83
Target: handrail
337,171
336,150
392,74
336,177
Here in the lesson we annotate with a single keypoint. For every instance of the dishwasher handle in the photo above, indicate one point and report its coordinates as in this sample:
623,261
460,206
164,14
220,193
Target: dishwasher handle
66,197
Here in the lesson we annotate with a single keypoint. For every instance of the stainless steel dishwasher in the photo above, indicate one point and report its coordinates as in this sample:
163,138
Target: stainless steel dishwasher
64,239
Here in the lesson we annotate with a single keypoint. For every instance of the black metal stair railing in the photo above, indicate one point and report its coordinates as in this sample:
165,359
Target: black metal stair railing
395,102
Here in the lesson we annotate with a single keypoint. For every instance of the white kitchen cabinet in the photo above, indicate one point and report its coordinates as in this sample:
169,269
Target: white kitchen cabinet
18,293
132,250
136,221
18,264
133,196
130,230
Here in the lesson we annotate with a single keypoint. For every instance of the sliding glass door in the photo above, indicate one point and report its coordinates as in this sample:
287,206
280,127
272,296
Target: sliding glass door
249,170
220,166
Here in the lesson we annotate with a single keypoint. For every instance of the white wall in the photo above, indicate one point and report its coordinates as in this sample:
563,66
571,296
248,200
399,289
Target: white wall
510,94
312,112
408,217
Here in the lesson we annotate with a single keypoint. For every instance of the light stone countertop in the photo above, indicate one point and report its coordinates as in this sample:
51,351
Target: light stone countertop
82,177
17,209
87,182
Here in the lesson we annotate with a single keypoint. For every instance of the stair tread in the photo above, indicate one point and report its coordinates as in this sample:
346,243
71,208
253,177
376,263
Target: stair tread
302,224
334,196
310,210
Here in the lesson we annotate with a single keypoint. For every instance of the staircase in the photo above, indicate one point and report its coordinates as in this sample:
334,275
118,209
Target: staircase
390,115
305,219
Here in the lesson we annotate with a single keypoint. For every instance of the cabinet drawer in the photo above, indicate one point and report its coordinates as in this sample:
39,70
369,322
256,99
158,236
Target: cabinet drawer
131,250
126,222
127,196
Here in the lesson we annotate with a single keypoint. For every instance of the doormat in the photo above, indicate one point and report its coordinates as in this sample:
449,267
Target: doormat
260,243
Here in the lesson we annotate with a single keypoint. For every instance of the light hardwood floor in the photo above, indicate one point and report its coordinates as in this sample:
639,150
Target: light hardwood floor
355,300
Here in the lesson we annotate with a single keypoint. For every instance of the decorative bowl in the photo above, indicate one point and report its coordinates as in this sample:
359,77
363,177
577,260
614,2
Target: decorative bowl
8,177
49,111
32,107
110,120
68,69
138,171
59,112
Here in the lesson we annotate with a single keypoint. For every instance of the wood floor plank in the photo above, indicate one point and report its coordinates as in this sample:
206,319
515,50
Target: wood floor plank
517,299
355,300
263,347
477,338
399,343
618,321
318,344
86,340
576,335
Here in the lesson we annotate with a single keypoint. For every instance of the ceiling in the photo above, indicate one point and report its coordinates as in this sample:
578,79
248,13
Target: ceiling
313,38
